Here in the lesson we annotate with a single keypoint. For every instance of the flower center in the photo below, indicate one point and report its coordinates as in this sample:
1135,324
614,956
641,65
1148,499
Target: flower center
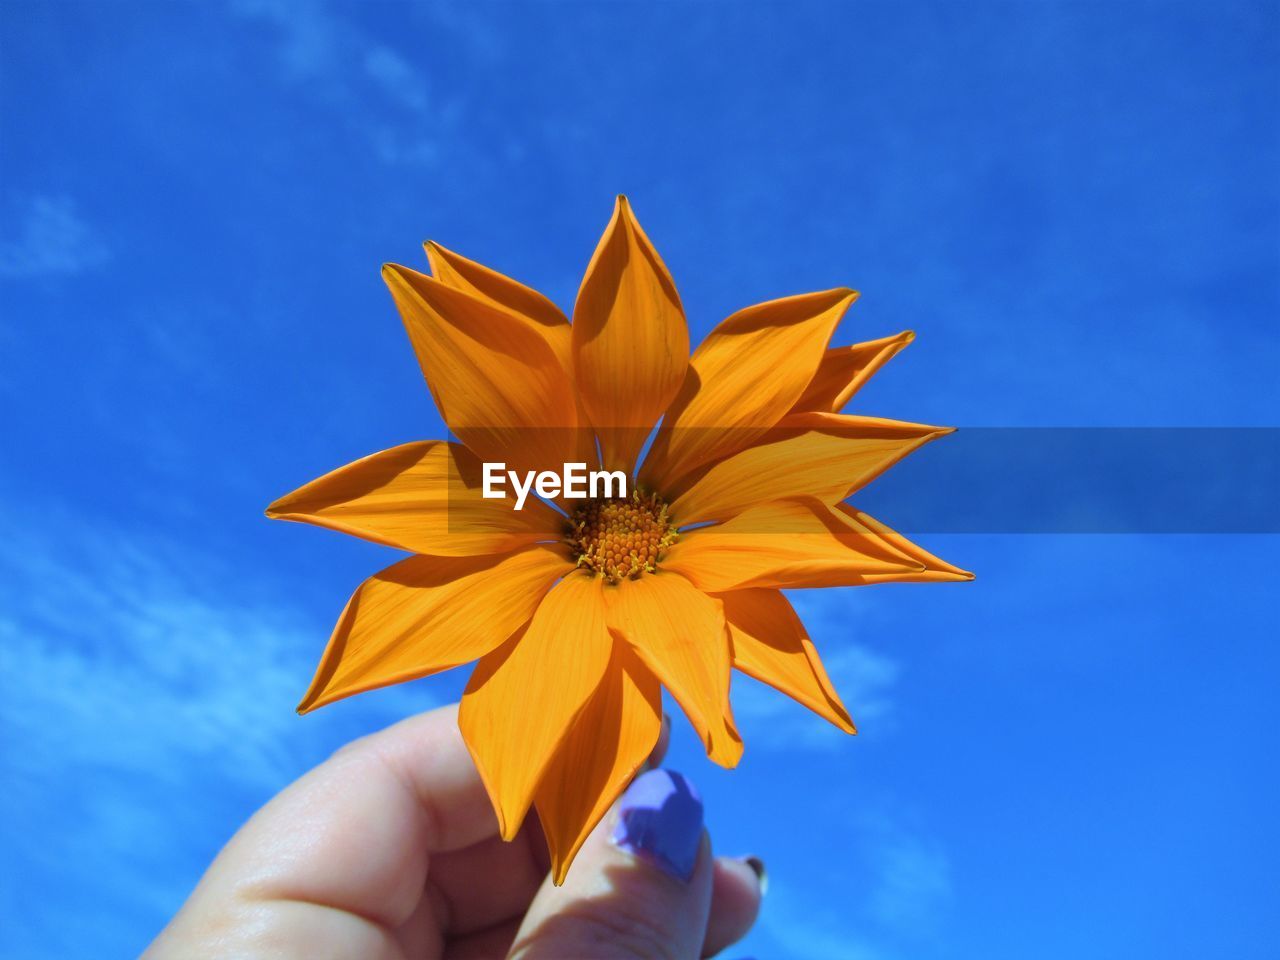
621,538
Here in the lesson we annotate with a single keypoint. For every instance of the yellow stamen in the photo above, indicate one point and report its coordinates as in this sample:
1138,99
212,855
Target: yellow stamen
621,538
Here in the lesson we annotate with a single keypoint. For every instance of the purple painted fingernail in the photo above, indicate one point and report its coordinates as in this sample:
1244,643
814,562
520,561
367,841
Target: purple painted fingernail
660,820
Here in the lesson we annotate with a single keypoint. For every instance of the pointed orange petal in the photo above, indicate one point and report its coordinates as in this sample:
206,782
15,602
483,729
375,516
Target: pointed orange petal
630,342
521,701
935,570
493,373
422,497
609,741
427,614
501,291
743,378
790,544
844,370
826,456
771,644
679,633
493,287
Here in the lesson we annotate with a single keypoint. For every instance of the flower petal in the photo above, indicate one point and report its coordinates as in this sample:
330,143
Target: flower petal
522,699
844,370
494,375
789,544
935,570
743,378
493,287
630,342
609,741
422,497
427,614
822,455
501,291
771,644
679,633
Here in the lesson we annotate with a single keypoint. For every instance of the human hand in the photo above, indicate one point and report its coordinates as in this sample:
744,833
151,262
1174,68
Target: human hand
390,849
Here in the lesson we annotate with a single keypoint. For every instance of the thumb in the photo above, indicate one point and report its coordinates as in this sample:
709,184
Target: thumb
639,888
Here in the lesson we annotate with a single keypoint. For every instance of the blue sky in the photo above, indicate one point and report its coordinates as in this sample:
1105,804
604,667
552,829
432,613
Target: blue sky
1074,205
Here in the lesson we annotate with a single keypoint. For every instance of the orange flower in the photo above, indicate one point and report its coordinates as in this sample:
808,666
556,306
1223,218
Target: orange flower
579,612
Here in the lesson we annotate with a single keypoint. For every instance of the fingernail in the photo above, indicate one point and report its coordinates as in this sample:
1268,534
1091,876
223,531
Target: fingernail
660,821
762,875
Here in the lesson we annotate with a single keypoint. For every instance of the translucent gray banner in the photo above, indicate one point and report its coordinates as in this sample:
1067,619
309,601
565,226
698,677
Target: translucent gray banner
1085,480
975,480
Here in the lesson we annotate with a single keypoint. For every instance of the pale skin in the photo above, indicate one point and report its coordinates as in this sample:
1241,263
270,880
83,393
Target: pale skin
389,850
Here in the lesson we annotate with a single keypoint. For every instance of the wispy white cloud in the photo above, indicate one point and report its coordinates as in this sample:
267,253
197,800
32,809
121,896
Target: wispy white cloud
886,894
52,239
396,77
894,891
117,641
147,704
130,652
377,91
914,881
310,38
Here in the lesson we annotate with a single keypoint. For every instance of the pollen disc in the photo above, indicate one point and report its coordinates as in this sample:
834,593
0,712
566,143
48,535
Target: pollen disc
621,538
